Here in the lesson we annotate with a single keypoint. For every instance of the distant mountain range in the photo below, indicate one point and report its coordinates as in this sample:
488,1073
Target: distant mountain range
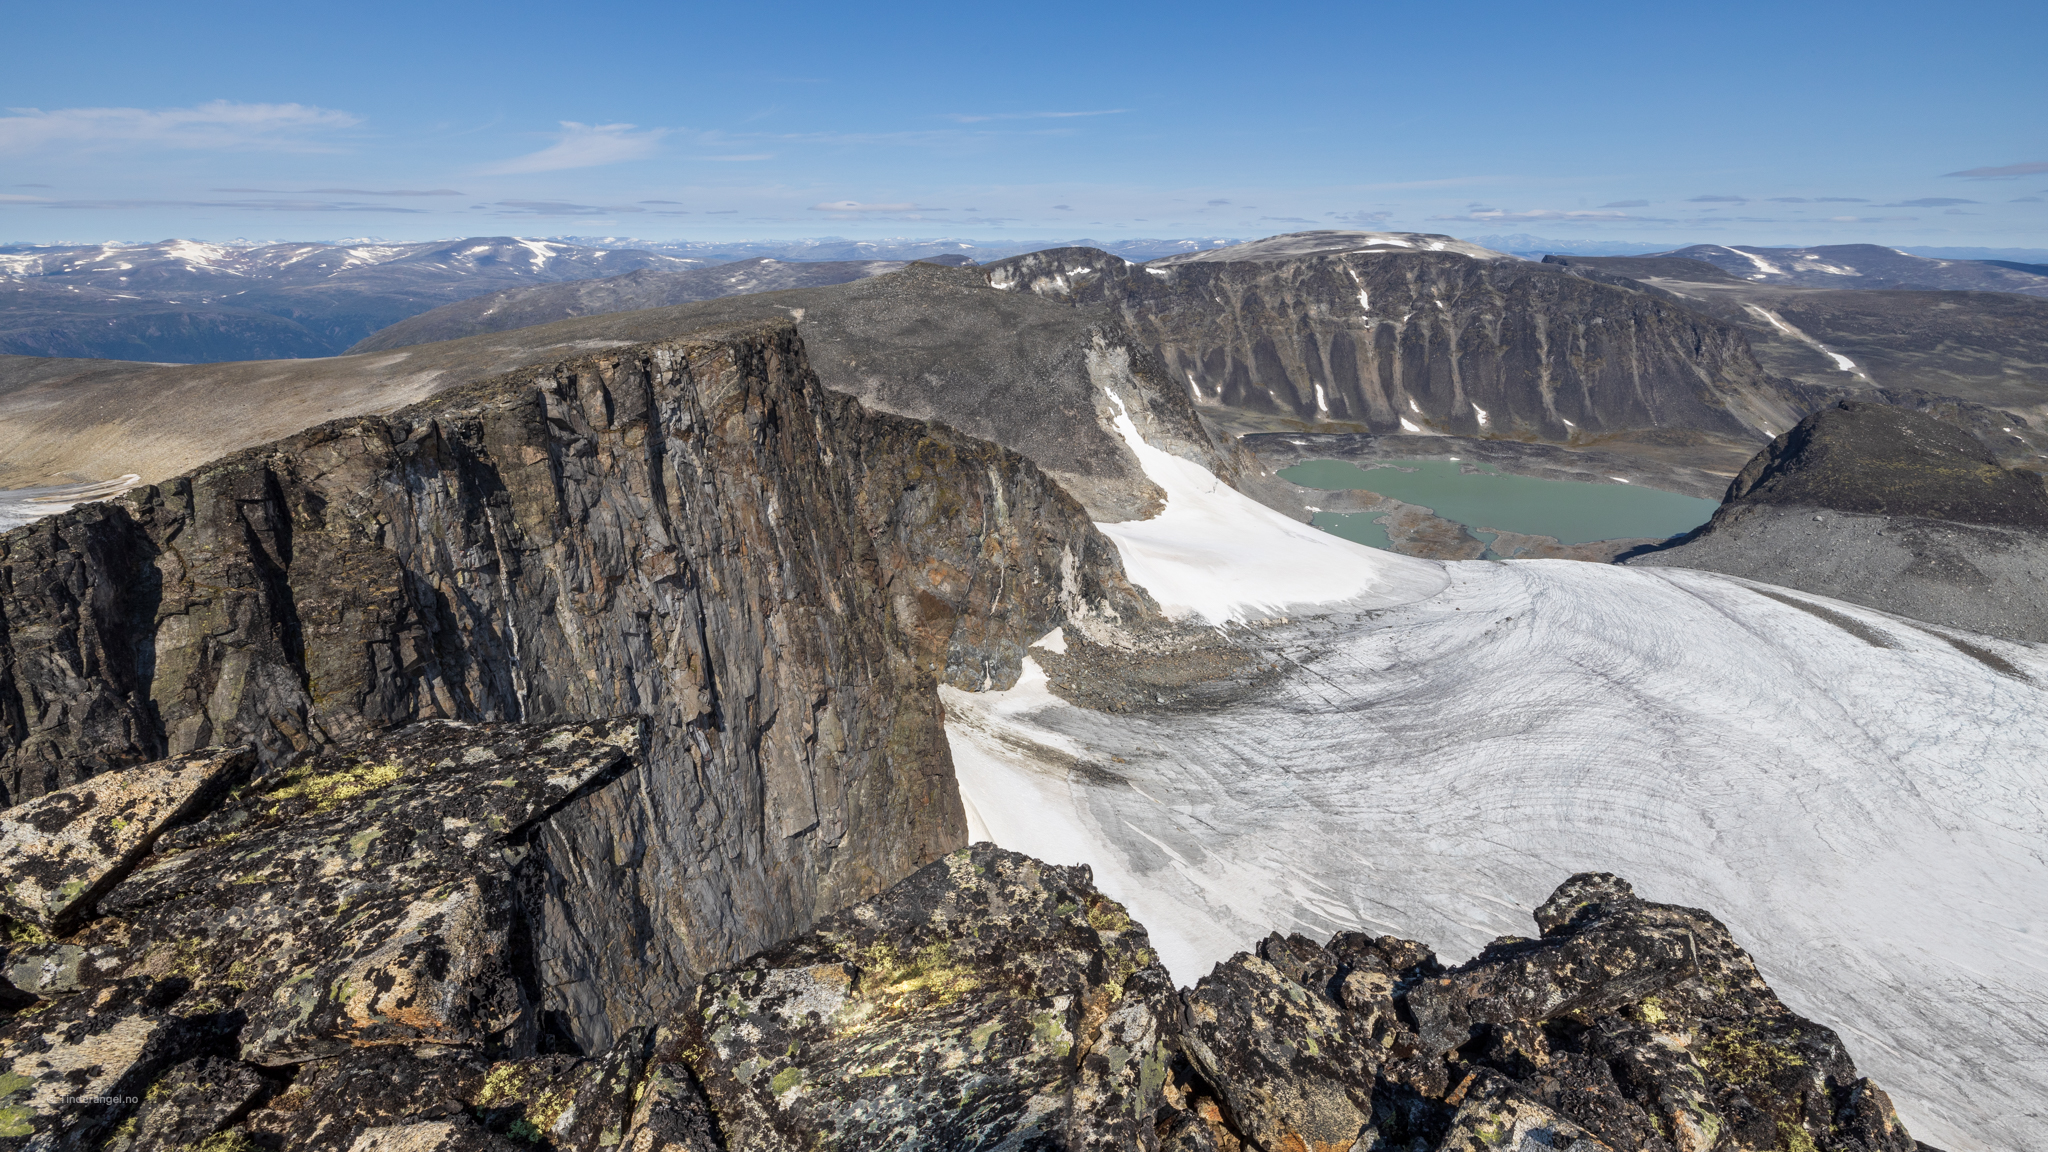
179,301
184,302
836,248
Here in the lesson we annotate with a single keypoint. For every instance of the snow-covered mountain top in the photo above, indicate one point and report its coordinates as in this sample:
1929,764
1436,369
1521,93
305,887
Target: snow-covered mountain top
1320,243
171,263
1864,266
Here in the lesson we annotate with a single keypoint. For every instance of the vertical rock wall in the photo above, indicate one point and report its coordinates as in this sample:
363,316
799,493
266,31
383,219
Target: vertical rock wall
691,530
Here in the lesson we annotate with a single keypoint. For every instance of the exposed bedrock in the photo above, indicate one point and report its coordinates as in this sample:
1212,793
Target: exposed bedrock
351,953
1386,339
1888,508
693,531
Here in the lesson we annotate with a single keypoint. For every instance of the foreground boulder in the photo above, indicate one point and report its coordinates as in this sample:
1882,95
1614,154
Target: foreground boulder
361,901
989,1000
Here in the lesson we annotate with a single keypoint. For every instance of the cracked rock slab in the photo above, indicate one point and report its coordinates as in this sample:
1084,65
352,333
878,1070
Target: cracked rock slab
366,897
64,848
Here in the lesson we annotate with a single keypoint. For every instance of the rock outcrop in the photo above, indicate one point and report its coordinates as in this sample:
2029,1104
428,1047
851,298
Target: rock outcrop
994,1001
694,531
1888,508
1380,333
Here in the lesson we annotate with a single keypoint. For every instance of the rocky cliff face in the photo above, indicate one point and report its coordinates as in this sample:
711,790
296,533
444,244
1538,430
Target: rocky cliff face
1392,338
1888,508
693,531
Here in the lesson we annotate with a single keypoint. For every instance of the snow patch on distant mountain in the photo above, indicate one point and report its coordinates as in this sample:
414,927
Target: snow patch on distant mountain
1297,244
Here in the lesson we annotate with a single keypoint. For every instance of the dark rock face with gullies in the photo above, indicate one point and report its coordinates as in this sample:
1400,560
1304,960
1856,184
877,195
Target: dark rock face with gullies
1887,508
1445,341
694,531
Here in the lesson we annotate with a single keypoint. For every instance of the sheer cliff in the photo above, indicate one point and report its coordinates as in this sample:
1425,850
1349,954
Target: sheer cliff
693,530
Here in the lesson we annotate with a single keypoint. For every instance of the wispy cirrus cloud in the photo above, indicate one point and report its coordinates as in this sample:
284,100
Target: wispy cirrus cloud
342,192
1929,202
857,206
1718,200
560,208
235,205
1500,215
2003,172
220,125
1628,204
978,117
585,146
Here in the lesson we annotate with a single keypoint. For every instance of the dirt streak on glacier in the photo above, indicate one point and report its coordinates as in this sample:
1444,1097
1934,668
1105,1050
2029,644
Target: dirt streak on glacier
1452,739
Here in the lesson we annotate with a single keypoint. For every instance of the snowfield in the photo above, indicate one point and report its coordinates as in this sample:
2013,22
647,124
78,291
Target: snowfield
1861,798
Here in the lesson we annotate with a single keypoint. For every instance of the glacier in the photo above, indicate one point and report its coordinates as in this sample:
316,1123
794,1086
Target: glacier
1860,797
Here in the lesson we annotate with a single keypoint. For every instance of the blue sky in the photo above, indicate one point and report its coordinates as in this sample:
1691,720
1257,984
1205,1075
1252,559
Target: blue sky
1737,122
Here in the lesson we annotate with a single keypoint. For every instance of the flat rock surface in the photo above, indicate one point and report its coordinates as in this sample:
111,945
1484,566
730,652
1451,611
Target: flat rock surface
61,850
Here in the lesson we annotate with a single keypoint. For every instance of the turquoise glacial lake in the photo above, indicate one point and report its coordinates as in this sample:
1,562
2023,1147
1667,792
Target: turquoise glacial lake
1572,511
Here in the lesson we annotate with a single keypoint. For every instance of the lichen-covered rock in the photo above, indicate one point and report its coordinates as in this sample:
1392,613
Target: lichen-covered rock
1292,1065
1648,1026
1494,1118
63,849
671,1114
1601,950
367,897
71,1073
189,1104
462,1135
332,1102
988,1001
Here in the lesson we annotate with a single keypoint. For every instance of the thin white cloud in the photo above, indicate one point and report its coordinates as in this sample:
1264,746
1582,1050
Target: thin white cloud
740,159
857,206
1497,215
220,125
585,146
344,191
2005,172
978,117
